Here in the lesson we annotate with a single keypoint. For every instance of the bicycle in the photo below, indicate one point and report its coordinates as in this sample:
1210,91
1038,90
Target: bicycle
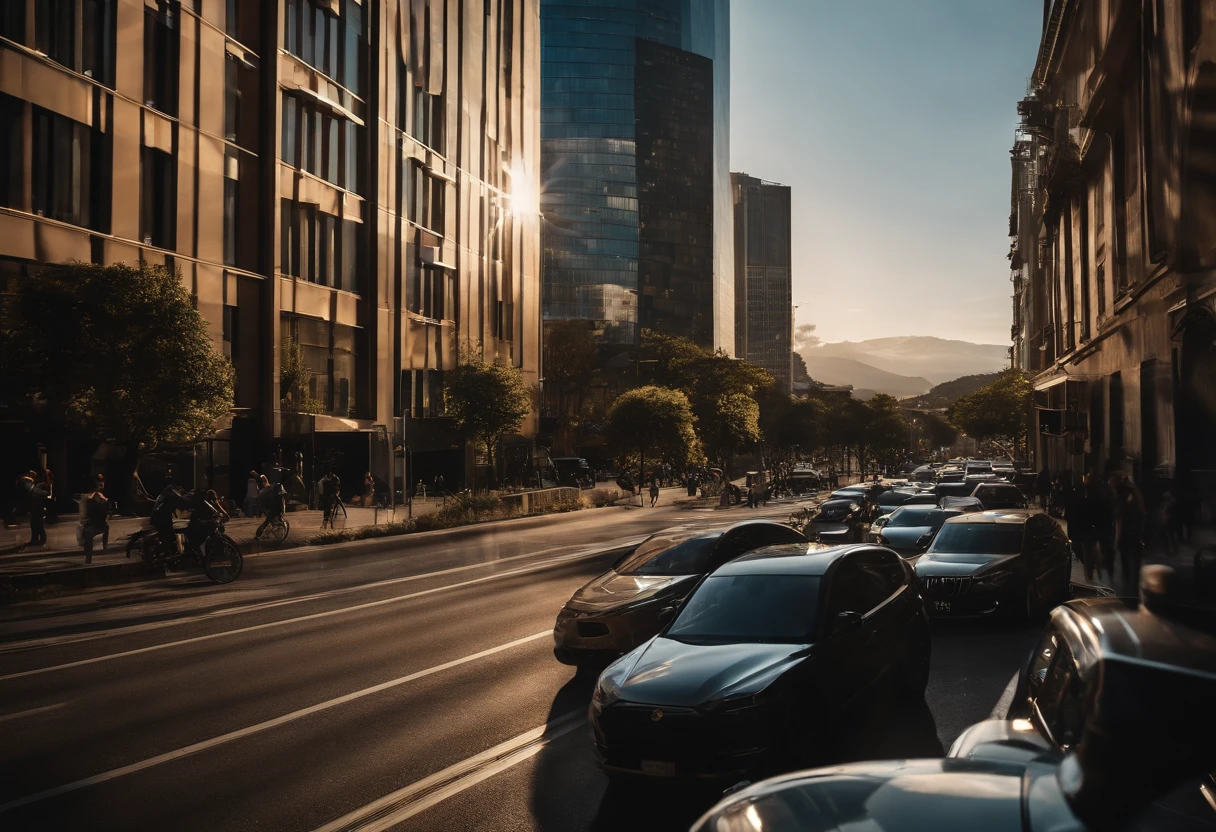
327,520
276,532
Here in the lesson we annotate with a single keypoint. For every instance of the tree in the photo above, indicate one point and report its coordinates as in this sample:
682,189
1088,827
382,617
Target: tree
788,425
117,352
654,423
996,410
570,373
887,435
294,375
486,401
800,371
732,425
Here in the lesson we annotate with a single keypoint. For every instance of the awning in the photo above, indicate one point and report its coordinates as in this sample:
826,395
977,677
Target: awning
1049,383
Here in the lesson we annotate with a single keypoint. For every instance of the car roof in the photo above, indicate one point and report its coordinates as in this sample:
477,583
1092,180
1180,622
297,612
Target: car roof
1108,629
755,523
1012,516
837,501
788,559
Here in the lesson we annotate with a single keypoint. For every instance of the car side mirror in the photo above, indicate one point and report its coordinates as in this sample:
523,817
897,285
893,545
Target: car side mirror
669,612
847,622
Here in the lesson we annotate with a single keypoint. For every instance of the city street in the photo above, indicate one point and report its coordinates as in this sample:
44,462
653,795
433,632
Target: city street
411,689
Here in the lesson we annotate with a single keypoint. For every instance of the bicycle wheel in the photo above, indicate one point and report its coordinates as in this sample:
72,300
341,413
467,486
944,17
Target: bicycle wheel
223,562
278,531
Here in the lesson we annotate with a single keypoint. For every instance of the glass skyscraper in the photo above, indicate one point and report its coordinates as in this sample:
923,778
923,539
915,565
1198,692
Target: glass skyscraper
764,312
635,176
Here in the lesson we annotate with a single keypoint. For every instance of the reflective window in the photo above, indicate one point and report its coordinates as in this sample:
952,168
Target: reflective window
65,173
671,554
321,143
12,21
12,169
979,539
158,197
330,44
776,608
318,247
161,59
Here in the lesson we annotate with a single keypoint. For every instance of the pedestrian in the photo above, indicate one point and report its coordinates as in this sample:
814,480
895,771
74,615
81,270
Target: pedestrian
1130,518
250,505
654,492
272,499
48,485
1043,487
1081,532
369,488
96,519
1167,519
1101,506
35,497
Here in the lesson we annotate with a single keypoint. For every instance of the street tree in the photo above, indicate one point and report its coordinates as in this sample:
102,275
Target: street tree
653,424
294,376
570,374
731,426
118,353
486,401
788,425
887,434
996,410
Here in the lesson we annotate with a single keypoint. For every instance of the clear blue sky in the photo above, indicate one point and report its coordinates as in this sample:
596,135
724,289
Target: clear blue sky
892,121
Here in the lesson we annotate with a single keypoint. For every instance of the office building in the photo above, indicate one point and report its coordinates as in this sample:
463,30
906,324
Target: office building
356,179
635,114
1114,245
764,312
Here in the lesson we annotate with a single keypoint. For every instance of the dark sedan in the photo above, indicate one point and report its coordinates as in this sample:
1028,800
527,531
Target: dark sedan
1014,562
625,606
910,529
996,495
764,654
838,521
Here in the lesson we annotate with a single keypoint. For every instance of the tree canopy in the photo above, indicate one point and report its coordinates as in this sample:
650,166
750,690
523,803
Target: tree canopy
118,352
486,401
653,423
996,409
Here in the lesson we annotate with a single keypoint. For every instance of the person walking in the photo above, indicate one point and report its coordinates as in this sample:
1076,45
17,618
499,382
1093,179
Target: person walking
96,519
250,505
1043,487
1101,507
1080,522
1167,520
369,489
47,480
1130,518
654,492
35,496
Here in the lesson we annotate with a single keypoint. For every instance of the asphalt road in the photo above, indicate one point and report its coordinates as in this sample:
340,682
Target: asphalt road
413,688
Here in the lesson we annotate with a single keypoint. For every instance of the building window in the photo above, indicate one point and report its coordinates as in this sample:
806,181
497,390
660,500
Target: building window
231,331
353,154
423,197
64,175
240,102
327,145
318,247
291,117
329,352
12,165
158,198
241,20
161,59
12,21
422,393
55,30
56,26
231,228
332,45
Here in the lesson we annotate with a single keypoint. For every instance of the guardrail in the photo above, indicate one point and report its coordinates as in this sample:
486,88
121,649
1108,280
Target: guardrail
527,502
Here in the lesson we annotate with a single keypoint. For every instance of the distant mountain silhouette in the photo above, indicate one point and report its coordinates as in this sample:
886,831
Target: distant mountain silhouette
832,370
936,359
946,393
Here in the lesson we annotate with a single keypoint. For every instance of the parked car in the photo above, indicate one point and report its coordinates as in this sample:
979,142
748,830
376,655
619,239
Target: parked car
625,606
996,495
763,656
910,529
1120,738
955,489
1004,562
924,473
962,504
838,521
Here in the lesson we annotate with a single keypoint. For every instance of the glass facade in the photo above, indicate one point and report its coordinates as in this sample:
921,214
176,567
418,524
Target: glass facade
763,298
604,102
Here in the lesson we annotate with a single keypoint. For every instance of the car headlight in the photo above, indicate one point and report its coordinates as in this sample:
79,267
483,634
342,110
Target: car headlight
998,578
737,702
607,691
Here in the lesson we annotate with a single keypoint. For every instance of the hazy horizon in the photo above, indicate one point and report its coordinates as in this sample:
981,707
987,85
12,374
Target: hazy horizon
892,123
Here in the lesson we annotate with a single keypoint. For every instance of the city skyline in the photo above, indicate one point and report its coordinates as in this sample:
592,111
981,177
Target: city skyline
940,196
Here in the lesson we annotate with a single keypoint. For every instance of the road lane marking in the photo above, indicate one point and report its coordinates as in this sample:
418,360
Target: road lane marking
241,733
405,803
76,638
396,599
1001,709
32,711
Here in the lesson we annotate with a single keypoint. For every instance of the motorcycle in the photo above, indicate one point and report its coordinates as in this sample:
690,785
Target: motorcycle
203,543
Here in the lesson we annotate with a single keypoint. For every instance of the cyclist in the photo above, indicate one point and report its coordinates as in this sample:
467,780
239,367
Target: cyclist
170,501
272,499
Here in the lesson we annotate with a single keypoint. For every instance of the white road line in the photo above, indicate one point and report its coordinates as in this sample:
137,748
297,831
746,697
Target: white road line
405,803
396,599
222,739
1001,709
74,638
32,711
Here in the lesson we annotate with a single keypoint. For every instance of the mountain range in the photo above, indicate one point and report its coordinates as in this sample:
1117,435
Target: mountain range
902,366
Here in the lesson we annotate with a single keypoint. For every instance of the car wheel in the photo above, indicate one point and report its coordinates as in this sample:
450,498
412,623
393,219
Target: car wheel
913,670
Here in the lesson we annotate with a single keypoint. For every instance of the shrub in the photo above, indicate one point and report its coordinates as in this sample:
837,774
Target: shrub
603,497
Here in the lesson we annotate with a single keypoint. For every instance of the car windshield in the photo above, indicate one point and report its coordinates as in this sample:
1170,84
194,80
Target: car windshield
979,539
732,608
670,555
933,518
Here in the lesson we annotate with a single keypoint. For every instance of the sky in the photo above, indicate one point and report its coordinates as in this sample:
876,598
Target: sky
892,122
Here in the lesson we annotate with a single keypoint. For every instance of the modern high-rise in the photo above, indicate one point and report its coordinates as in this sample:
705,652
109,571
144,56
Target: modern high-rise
356,178
764,312
635,114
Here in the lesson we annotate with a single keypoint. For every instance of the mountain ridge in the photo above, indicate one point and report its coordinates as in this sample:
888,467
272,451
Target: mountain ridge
927,357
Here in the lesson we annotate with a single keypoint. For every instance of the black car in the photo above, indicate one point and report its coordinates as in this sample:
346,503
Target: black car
625,606
963,504
764,654
992,562
1120,737
995,495
838,521
954,489
910,529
